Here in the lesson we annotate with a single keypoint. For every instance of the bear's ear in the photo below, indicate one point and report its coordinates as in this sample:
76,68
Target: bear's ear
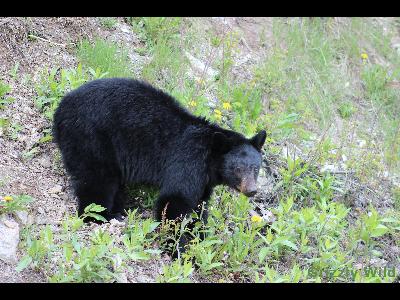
220,143
259,139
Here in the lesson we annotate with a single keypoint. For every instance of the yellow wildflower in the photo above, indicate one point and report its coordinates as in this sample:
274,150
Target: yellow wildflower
7,198
200,81
218,114
193,103
256,219
364,56
226,105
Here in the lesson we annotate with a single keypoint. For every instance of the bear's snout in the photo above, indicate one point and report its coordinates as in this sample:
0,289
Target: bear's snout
248,187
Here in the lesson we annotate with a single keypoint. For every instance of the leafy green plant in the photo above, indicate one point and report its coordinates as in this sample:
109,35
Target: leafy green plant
176,272
346,110
139,236
96,258
55,83
10,204
4,90
14,71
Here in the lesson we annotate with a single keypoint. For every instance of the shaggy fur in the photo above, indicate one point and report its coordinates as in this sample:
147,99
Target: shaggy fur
117,131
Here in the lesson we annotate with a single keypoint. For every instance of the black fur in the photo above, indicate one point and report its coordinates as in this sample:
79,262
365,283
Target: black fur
117,131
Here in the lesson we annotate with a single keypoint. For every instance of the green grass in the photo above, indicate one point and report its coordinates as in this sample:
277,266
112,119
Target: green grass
108,22
106,56
346,110
4,99
153,30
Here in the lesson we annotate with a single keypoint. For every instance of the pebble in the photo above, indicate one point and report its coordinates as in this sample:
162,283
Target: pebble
21,217
9,239
56,189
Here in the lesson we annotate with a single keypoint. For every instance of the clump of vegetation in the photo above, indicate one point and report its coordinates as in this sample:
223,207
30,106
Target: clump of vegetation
98,258
54,84
153,30
106,56
12,203
168,65
4,90
346,110
108,22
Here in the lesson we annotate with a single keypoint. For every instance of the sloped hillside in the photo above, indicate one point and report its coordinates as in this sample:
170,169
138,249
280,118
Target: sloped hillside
326,90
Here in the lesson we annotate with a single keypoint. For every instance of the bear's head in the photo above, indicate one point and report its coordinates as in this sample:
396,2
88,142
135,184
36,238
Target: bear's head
239,161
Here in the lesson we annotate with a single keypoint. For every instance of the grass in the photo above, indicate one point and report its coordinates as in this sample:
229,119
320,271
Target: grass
106,56
4,90
168,66
319,74
108,22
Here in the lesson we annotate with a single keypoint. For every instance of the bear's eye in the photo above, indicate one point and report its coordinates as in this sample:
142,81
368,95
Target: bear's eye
238,169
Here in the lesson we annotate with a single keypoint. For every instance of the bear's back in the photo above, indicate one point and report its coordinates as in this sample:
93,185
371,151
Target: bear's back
121,103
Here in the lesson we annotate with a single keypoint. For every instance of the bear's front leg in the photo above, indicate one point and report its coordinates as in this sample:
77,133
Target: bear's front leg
174,207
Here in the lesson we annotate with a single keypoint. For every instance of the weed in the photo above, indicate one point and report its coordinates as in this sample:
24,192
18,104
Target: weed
14,71
4,90
154,30
13,203
108,22
56,83
176,272
346,110
105,56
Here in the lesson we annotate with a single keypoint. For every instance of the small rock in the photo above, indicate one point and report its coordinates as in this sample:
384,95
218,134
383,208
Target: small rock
56,189
200,67
395,249
362,143
115,222
330,168
378,262
63,196
358,266
125,29
269,217
121,278
9,239
45,162
21,217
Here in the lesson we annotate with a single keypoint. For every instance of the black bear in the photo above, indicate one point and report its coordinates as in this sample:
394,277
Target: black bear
116,131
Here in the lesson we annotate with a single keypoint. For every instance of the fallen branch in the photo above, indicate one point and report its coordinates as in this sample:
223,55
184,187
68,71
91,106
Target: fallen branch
48,41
